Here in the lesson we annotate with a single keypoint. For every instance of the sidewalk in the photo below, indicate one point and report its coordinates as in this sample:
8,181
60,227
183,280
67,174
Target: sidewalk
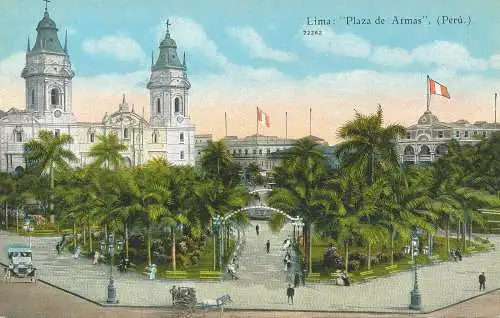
262,284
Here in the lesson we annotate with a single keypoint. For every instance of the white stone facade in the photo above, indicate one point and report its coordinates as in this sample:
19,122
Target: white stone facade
427,140
48,77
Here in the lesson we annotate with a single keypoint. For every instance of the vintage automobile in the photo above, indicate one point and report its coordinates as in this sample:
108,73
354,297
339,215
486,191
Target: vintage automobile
20,261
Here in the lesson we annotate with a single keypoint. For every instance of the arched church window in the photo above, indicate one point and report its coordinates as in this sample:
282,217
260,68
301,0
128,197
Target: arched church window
19,136
158,107
32,97
182,155
181,137
177,104
92,137
54,97
155,137
125,133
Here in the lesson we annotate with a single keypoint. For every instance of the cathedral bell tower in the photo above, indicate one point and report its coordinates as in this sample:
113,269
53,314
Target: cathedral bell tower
48,74
168,86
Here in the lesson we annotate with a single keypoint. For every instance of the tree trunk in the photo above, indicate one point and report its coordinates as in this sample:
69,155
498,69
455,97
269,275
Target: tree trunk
149,247
458,232
84,232
173,249
448,235
369,256
6,217
126,239
74,236
90,238
309,237
392,246
464,236
347,256
51,196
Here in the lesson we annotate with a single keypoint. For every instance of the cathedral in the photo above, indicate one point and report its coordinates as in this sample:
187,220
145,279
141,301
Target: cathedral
48,76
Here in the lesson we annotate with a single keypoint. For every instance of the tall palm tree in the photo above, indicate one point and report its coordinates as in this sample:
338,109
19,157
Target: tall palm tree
367,145
7,189
47,153
305,164
107,151
216,162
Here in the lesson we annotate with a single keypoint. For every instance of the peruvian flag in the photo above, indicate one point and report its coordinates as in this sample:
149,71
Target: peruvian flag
437,88
263,118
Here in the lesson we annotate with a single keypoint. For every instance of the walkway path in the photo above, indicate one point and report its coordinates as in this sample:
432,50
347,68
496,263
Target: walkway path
262,284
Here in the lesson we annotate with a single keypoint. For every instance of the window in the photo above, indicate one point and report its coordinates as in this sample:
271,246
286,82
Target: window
466,134
408,135
457,134
57,132
176,105
32,98
92,137
268,151
158,106
155,137
260,151
19,136
181,137
475,132
440,134
246,151
255,151
54,97
239,151
182,155
484,133
125,133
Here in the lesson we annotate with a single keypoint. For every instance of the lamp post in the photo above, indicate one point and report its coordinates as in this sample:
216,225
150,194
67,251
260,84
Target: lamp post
111,286
216,222
28,228
415,302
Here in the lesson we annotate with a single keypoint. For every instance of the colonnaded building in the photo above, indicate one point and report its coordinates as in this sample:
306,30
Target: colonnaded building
48,88
427,140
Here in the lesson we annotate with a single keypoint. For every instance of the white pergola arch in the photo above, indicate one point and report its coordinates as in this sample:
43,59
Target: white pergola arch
261,207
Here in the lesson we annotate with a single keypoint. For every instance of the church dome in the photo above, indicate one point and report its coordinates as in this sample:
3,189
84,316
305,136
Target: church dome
46,22
427,118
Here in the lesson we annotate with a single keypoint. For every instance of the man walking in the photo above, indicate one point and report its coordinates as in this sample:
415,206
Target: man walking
290,292
257,229
268,245
482,281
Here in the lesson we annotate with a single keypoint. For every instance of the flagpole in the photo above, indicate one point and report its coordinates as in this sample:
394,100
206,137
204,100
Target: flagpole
428,94
257,122
225,121
286,126
310,121
496,108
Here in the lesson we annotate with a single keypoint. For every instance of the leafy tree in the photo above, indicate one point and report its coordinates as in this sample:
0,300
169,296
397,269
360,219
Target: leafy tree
107,151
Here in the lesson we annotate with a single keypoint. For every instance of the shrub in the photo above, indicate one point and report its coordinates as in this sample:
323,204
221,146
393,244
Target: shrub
398,256
353,266
355,256
383,258
364,260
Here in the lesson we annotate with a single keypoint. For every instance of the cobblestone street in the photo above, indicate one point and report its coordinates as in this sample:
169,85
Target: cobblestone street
262,284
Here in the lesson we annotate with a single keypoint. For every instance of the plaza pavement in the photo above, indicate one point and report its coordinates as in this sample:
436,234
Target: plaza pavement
262,282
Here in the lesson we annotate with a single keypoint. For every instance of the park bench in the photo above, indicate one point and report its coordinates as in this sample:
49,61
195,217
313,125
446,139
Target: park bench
434,259
392,268
366,275
210,275
313,278
176,274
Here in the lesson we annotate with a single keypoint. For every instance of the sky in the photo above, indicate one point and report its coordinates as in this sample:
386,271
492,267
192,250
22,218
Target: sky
273,55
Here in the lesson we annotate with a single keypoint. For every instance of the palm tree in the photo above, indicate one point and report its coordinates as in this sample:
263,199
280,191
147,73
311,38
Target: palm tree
367,145
107,151
305,165
216,162
7,189
49,152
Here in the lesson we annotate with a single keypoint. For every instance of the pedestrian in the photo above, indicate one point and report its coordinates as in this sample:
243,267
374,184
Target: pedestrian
290,292
268,245
482,281
257,229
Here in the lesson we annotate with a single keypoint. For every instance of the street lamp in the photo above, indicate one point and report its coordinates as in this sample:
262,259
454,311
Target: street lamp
111,286
28,228
416,301
216,222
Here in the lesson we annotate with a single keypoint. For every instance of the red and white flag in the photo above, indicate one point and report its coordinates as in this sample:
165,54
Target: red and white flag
438,89
263,118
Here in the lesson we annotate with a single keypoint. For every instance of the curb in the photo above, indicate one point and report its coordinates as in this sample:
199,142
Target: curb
118,305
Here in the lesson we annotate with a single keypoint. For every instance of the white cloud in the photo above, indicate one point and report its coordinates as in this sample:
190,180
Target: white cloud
257,46
12,66
447,55
393,57
494,61
346,44
122,47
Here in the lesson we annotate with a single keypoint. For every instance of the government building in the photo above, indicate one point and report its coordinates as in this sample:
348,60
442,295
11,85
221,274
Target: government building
48,77
428,139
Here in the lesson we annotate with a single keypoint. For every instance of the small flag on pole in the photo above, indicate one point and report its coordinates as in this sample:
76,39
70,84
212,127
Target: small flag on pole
263,118
438,89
